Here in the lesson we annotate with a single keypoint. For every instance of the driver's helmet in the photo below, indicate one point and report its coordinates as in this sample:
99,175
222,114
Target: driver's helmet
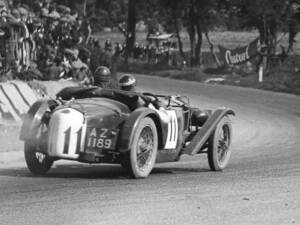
102,75
127,82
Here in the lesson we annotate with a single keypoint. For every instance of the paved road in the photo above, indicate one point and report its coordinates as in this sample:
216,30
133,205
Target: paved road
260,186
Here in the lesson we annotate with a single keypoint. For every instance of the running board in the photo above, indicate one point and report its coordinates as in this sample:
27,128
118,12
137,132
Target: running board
206,130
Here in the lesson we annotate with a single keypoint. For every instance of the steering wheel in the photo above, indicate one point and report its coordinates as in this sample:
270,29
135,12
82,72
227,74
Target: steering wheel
150,98
150,95
176,100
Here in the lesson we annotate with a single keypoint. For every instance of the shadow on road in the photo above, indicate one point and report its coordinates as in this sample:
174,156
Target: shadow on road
95,172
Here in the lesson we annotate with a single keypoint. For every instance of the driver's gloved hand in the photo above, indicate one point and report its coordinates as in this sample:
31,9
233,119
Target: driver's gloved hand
158,104
155,104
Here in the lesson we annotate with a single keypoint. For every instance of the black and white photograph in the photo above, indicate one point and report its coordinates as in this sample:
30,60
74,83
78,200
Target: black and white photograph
150,112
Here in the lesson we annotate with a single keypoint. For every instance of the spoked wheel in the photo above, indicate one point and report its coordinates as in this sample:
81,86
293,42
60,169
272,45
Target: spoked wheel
38,162
144,149
219,150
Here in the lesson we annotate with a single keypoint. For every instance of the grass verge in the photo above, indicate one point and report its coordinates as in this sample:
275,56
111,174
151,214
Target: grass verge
282,78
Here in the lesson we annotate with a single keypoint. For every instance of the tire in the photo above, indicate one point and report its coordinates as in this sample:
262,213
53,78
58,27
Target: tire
38,163
219,150
141,167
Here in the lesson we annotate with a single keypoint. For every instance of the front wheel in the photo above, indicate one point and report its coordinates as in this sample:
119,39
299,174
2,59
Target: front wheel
219,150
37,162
144,149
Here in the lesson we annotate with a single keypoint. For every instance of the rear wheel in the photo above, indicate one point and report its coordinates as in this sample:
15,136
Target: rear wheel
38,162
219,150
144,149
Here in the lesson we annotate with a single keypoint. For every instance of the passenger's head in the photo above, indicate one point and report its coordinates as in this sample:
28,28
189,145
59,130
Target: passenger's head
101,76
127,82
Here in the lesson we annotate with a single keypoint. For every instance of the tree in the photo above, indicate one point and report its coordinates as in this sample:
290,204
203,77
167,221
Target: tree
131,21
197,16
270,18
267,16
172,14
84,7
110,13
200,18
293,15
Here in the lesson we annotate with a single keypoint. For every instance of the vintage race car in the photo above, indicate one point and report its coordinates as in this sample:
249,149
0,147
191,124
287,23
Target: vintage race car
94,125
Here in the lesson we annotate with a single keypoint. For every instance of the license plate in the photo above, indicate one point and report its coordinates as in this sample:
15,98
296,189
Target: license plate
101,138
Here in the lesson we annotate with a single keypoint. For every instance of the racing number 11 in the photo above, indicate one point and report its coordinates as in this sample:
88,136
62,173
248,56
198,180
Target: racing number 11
67,140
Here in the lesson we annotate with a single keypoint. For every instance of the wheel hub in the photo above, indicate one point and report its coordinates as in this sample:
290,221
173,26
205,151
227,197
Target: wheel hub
223,143
145,148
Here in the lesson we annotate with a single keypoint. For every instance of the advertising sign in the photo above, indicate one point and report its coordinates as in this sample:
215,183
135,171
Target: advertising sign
239,55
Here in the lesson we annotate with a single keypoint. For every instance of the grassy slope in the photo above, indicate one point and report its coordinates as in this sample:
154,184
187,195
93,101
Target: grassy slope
285,77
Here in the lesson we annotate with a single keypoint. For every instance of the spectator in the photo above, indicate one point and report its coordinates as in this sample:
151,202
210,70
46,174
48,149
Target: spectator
53,71
108,45
118,48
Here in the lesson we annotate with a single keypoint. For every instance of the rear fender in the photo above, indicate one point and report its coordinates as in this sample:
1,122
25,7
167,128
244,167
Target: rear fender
33,118
130,126
206,130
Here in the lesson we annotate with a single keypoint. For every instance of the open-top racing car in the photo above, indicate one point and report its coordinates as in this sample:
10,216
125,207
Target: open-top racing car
94,125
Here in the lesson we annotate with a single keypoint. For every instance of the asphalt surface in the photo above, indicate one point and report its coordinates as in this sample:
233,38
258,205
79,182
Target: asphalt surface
261,184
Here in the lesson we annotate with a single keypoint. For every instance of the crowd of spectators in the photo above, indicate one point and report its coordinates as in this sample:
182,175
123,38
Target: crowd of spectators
50,41
47,41
154,51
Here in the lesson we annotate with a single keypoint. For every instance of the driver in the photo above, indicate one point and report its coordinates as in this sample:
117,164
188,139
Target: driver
128,83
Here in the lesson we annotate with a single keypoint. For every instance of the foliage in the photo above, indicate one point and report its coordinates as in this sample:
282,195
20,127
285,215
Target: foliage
269,17
197,17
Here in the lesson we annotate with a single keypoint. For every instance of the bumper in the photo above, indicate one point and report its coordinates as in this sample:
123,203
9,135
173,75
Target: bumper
95,157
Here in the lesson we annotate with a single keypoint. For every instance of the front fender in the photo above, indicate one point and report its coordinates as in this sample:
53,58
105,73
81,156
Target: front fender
206,130
129,128
33,118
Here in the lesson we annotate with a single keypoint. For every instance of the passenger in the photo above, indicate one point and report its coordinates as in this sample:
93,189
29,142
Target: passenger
128,83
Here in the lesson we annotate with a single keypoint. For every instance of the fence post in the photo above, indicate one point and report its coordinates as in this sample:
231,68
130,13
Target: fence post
262,68
260,73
